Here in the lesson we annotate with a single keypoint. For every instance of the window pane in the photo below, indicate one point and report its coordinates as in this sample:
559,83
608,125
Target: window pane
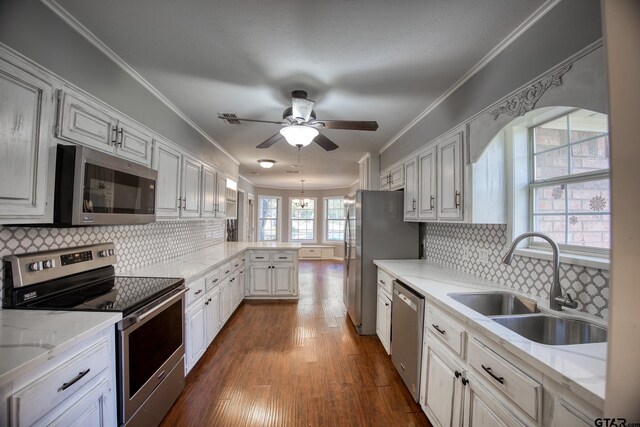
589,230
553,226
550,135
552,164
590,156
591,196
268,218
549,200
587,124
302,219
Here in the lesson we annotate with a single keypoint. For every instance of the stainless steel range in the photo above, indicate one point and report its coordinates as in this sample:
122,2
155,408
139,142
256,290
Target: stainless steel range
150,336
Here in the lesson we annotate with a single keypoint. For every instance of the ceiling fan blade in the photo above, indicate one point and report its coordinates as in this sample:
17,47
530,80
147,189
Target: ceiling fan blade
269,142
325,142
301,108
347,124
231,119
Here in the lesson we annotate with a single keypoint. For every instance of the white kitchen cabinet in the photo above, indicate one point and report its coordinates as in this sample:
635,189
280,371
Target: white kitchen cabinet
195,331
221,196
481,409
231,200
27,156
85,121
443,388
167,161
212,314
208,192
411,190
226,290
427,185
393,179
272,274
450,163
383,320
566,415
191,187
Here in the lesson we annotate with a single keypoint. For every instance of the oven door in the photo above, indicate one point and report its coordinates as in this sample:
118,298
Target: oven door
112,191
149,349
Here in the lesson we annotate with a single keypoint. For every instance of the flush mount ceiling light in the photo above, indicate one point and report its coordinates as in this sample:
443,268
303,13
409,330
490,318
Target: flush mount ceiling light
299,135
266,163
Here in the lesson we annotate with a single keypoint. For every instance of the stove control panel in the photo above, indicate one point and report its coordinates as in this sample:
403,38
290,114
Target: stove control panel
38,267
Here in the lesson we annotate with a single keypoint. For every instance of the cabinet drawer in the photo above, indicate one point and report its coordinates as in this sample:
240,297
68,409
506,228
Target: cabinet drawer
225,270
195,292
47,392
447,330
285,256
523,390
311,252
236,264
260,256
385,281
212,280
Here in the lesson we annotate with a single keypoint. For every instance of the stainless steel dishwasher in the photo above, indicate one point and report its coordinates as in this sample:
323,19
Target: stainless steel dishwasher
407,321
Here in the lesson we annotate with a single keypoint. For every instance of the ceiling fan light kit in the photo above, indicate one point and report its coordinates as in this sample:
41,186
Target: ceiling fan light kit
266,163
299,135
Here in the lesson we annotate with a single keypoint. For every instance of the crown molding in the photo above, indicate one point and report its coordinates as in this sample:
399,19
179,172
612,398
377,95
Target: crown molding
106,50
524,26
246,179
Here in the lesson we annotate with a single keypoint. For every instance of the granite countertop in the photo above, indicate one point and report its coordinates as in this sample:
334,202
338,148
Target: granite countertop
195,265
581,368
31,337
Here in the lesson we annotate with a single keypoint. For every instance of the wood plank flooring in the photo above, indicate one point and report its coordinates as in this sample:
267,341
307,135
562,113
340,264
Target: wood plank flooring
296,363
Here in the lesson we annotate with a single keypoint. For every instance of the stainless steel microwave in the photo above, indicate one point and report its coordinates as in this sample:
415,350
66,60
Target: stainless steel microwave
94,188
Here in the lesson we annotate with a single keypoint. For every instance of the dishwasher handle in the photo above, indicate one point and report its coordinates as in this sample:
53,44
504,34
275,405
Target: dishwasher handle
406,300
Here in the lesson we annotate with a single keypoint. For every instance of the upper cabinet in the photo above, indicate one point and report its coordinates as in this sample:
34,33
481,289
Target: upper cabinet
208,192
27,156
191,187
427,185
221,196
411,190
167,160
231,209
84,121
393,179
368,168
449,178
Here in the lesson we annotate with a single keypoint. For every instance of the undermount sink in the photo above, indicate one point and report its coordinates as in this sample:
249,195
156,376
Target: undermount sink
496,303
553,330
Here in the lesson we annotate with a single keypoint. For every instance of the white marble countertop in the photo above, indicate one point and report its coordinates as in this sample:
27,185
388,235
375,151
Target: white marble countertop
581,368
30,337
195,265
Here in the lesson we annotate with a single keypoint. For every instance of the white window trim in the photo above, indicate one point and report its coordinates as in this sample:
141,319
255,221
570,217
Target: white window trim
278,219
325,222
315,221
518,180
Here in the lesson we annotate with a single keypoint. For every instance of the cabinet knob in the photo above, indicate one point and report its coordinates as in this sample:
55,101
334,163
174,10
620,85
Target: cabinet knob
457,374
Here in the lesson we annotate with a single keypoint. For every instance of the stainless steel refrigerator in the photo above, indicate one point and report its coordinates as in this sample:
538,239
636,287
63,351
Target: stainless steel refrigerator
374,229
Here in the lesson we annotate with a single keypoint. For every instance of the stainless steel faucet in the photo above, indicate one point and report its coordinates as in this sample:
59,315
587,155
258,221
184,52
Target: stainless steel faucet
556,301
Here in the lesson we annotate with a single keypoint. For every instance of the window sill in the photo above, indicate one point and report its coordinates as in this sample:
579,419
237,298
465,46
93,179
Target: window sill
590,261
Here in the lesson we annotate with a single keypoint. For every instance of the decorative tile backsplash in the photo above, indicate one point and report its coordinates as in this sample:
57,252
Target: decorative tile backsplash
136,245
457,246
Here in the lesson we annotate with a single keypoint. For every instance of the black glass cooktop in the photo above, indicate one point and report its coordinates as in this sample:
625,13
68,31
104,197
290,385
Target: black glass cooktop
115,293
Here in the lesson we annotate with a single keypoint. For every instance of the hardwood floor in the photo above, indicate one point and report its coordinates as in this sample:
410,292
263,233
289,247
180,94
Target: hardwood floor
296,363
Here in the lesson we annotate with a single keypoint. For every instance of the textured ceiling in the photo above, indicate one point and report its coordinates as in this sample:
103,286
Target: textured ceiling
358,59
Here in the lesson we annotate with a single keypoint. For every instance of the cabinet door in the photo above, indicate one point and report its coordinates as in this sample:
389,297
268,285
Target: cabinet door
381,319
481,409
443,393
396,177
208,192
221,196
227,291
410,190
282,276
82,121
565,415
95,408
196,339
212,314
166,160
134,142
427,185
26,168
364,174
384,182
191,185
260,279
450,179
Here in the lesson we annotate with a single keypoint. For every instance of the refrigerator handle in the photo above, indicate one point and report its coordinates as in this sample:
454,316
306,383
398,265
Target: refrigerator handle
347,246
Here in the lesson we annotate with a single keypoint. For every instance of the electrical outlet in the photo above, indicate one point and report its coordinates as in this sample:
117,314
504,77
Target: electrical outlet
483,256
465,253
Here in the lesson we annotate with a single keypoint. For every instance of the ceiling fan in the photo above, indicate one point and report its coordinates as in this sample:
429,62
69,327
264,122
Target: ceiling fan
300,124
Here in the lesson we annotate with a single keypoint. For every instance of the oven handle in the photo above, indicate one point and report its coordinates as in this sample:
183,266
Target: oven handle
159,307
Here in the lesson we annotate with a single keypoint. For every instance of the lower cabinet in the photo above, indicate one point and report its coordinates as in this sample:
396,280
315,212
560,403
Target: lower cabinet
442,400
383,320
196,338
273,274
212,314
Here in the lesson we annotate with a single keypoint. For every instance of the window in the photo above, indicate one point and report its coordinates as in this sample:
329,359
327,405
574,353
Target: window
334,214
268,218
569,187
303,218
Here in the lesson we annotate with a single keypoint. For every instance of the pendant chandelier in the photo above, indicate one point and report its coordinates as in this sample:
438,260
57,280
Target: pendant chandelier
302,202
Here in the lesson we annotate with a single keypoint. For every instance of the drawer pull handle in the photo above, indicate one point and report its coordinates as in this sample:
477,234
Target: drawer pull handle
227,272
383,282
494,376
197,292
236,265
75,380
259,257
215,280
282,257
437,328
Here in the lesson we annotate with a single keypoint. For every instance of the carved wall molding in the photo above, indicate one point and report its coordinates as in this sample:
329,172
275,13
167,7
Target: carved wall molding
526,100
